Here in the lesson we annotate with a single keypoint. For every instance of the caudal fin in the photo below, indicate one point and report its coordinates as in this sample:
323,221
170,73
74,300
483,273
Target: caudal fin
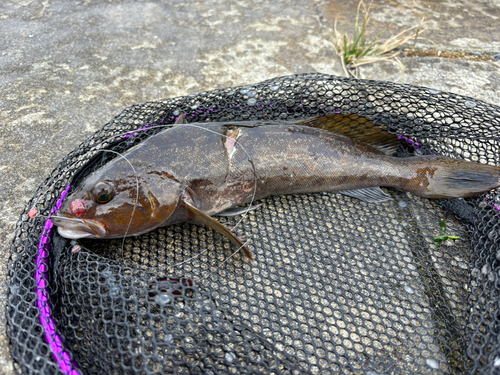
441,177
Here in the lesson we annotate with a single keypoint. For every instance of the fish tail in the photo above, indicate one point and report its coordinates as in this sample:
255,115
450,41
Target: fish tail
441,177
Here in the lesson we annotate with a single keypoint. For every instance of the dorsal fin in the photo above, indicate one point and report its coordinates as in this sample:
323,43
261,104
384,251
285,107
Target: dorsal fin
358,128
181,119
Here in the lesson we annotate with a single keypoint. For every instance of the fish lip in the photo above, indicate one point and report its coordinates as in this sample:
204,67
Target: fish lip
72,234
78,228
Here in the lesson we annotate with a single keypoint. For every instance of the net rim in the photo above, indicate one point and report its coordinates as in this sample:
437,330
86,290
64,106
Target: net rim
61,355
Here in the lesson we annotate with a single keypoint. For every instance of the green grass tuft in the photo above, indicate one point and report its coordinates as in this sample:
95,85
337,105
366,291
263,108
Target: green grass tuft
360,51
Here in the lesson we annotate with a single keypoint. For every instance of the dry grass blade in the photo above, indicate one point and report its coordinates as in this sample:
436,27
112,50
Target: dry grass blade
358,51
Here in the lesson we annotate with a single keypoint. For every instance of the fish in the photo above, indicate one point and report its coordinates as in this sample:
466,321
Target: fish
193,172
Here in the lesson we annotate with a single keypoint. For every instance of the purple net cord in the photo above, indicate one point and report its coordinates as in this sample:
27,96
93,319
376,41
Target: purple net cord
176,117
492,202
409,141
61,356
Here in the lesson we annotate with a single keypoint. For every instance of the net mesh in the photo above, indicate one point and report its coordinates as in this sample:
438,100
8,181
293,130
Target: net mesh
338,285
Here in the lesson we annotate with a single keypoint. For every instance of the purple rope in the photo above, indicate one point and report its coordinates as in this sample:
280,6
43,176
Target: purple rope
62,357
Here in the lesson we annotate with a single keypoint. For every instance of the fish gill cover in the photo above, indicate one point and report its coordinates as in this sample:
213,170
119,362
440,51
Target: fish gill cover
337,285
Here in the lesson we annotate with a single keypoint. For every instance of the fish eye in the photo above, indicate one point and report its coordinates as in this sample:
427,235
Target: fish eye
103,192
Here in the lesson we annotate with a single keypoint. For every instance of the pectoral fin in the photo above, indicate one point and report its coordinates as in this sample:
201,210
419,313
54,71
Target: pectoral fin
238,210
196,216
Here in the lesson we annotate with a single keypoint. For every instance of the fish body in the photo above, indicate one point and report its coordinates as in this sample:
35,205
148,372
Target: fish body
192,171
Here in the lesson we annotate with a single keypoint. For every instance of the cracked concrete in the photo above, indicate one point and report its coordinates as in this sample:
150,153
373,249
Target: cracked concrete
480,80
66,68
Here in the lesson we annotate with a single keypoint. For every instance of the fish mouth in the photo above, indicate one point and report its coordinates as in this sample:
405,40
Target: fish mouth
74,228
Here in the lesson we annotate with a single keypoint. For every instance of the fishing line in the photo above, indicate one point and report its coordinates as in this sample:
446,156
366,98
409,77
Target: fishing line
253,194
190,259
169,127
71,165
227,258
174,126
135,203
249,160
136,196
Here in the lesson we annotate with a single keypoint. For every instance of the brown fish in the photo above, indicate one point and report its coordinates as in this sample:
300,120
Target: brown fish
190,172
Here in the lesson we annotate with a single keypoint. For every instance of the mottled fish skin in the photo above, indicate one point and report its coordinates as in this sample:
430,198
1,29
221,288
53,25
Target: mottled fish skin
291,159
193,170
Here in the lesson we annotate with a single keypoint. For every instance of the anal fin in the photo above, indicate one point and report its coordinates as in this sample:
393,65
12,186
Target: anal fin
371,195
196,216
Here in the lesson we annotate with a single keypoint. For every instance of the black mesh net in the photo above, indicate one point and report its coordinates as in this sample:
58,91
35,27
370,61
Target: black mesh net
338,285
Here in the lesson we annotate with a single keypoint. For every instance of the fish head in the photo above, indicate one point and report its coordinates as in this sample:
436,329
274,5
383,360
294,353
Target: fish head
113,204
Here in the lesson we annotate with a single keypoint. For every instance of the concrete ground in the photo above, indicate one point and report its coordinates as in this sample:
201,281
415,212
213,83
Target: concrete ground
66,68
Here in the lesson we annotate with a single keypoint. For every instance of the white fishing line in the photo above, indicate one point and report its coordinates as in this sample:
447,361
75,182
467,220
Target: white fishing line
232,255
190,259
135,203
136,195
68,167
249,159
253,194
169,127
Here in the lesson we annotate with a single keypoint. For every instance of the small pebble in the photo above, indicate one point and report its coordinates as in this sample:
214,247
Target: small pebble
470,104
486,269
492,234
475,272
409,289
162,299
491,277
114,291
432,363
169,339
496,362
